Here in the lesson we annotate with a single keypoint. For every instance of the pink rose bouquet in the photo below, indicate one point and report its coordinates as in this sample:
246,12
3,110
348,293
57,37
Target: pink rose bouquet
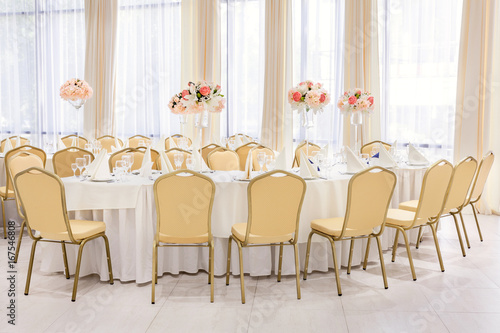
198,97
356,100
307,96
75,89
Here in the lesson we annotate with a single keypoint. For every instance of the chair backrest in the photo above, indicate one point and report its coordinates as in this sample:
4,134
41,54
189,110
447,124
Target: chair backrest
176,138
133,141
367,148
481,176
107,141
243,151
138,157
30,149
274,204
171,154
255,152
42,197
13,140
434,192
303,148
368,198
80,142
184,201
223,159
17,160
207,150
463,174
62,160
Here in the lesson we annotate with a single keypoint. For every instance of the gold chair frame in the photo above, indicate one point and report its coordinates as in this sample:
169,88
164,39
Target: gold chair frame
296,155
81,140
70,149
185,152
138,137
12,138
175,137
246,147
374,143
210,147
109,137
222,149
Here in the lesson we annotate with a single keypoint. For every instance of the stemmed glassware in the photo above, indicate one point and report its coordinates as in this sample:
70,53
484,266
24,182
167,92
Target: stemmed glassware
182,143
261,159
131,160
128,164
120,169
80,163
74,167
87,160
270,162
178,159
190,162
142,143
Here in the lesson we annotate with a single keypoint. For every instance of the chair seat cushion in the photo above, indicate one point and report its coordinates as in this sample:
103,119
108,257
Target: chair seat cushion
399,217
333,227
81,229
409,205
4,194
183,240
239,231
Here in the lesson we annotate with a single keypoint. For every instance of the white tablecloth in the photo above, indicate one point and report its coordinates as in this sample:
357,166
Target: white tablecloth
130,227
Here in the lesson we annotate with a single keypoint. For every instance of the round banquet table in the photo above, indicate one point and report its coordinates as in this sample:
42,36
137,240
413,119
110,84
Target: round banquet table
128,209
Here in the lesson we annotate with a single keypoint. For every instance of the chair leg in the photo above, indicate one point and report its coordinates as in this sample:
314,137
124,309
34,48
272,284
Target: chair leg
30,267
382,264
228,260
459,235
209,264
108,257
434,234
307,255
395,246
419,237
465,230
18,247
351,248
3,219
410,259
366,253
155,276
337,278
212,283
280,262
242,273
473,210
65,259
77,271
297,269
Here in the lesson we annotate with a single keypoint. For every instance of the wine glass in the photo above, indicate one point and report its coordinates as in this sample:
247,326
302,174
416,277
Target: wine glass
142,143
182,143
131,160
80,163
74,167
261,159
178,159
375,151
126,159
365,158
87,160
231,144
190,162
270,162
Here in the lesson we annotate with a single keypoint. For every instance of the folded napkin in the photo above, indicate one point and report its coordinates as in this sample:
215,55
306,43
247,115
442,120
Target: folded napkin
99,168
60,144
354,164
325,150
118,145
171,143
166,166
146,167
204,166
395,144
385,159
244,139
237,142
307,168
249,165
160,145
416,157
281,160
92,167
74,143
8,146
126,145
197,160
18,141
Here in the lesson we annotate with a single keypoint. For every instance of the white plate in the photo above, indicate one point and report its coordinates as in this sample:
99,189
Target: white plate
417,164
347,173
242,180
310,178
101,180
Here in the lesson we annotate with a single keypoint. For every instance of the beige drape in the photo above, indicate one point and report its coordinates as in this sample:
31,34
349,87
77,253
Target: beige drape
477,120
361,63
100,66
200,50
276,130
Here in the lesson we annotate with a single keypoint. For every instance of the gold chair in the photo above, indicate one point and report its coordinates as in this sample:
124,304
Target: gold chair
461,182
42,198
133,141
367,148
243,151
171,154
176,138
249,138
223,159
274,204
107,141
80,142
478,185
303,148
176,193
13,140
255,152
207,150
138,157
368,198
62,160
435,187
7,191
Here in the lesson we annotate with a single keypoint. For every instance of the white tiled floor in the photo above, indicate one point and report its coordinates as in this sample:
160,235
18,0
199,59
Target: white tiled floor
465,298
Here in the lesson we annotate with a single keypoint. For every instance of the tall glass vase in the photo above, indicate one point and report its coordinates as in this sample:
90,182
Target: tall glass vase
182,122
308,120
356,121
201,122
77,104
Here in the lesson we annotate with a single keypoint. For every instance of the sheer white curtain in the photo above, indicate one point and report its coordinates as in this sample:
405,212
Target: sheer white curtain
148,67
43,45
419,62
242,65
318,56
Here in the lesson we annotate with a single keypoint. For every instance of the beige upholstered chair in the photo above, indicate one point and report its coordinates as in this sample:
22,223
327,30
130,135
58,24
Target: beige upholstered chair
194,192
68,141
274,204
107,141
478,185
367,148
240,134
223,159
255,152
171,153
13,140
207,150
435,187
133,141
368,198
62,160
243,151
463,175
176,138
42,198
138,157
303,148
7,191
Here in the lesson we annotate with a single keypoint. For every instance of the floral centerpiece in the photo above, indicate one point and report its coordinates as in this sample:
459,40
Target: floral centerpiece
307,96
198,97
76,92
356,100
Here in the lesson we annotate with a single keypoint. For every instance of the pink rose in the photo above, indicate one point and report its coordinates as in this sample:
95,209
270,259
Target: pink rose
297,96
309,84
370,99
358,92
184,93
322,98
352,100
205,90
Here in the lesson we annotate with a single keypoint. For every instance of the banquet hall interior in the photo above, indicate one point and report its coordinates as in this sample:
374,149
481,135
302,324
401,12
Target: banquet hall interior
250,165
